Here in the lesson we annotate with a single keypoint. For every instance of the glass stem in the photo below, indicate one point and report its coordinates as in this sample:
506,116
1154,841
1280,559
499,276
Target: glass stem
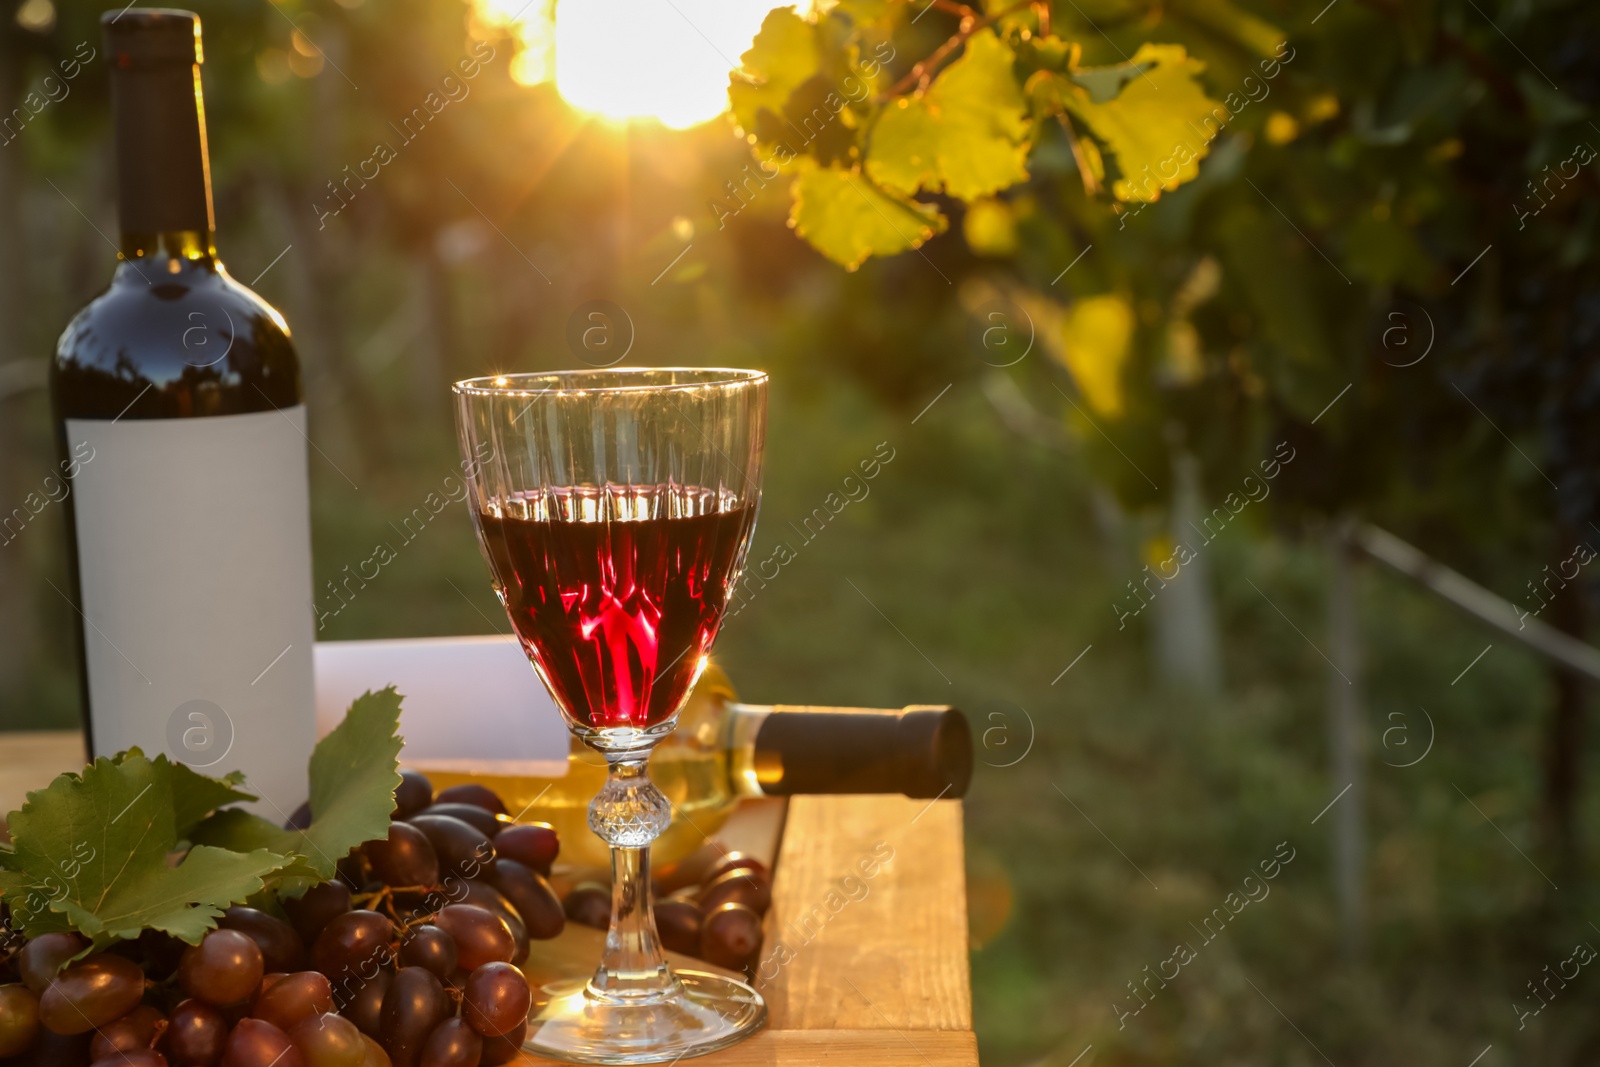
629,813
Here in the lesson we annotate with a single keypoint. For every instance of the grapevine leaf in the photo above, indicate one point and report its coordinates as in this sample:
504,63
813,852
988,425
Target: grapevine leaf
966,136
780,59
91,853
864,12
354,772
194,796
1156,127
209,879
847,218
1098,331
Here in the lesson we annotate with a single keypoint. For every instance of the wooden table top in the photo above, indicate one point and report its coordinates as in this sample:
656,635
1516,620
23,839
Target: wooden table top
865,959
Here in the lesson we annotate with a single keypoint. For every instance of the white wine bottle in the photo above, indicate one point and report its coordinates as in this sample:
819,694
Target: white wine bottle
723,751
177,402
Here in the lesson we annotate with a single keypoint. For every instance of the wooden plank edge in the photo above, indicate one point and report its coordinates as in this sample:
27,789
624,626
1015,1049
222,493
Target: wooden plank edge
846,1048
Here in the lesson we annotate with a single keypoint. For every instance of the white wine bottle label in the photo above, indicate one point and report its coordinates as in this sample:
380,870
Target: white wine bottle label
194,556
473,705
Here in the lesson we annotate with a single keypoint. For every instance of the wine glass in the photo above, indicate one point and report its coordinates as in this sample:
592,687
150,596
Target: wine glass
614,508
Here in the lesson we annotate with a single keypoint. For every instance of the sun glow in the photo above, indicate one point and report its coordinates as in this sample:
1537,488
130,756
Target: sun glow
666,60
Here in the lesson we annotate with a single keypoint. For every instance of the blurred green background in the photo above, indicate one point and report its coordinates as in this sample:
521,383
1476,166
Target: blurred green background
1182,746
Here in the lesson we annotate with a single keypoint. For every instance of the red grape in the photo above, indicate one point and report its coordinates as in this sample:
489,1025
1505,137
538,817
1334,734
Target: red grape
480,796
452,1044
487,897
678,923
413,794
589,903
91,993
294,997
430,947
254,1043
46,954
19,1019
414,1005
496,999
352,947
364,1006
463,849
375,1056
224,968
485,822
745,885
498,1050
480,935
729,860
133,1057
405,857
329,1041
196,1034
137,1029
281,948
535,902
730,936
320,905
532,844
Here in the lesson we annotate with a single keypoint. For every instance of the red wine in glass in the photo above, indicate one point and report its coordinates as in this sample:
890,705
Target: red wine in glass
617,594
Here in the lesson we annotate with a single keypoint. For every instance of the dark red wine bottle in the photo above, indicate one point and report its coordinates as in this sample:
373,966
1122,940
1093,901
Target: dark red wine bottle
181,426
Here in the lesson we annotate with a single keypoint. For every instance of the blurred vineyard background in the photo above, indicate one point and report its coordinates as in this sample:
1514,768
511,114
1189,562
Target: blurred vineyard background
1135,769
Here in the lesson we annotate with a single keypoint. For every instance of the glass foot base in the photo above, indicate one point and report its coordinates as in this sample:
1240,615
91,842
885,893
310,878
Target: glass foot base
569,1023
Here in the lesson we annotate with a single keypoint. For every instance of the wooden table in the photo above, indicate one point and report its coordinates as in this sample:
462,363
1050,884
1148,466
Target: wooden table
876,969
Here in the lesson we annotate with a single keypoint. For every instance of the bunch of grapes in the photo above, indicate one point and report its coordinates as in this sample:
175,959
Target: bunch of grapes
407,959
718,920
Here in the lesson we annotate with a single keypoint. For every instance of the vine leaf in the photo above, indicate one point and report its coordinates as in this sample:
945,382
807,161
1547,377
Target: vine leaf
1098,331
354,772
1156,127
966,136
91,854
782,57
848,218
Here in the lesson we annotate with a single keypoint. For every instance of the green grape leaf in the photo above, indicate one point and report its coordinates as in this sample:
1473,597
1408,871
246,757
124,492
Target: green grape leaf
864,12
194,796
1156,127
1098,332
966,136
354,773
91,853
780,59
847,218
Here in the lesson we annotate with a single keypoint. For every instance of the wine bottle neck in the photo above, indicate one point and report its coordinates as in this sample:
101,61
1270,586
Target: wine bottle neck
175,247
163,170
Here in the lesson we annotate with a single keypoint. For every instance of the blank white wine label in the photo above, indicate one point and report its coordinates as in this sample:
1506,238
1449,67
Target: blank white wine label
472,705
194,555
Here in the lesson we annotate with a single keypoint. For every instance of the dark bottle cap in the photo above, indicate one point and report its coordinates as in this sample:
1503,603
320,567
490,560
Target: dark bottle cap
922,752
153,36
163,174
